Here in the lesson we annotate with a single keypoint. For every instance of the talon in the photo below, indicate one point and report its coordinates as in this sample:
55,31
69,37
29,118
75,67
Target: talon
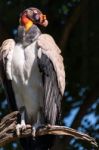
23,127
34,131
20,127
48,126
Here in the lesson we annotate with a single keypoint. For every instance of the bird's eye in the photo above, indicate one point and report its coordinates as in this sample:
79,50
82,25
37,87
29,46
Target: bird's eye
36,17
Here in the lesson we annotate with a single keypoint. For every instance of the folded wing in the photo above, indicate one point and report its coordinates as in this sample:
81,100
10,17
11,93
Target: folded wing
52,69
6,52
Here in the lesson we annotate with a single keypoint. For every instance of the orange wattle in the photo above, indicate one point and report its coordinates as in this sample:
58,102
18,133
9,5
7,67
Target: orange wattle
26,22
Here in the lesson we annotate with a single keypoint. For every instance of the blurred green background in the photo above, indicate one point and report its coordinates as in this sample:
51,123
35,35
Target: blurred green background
74,24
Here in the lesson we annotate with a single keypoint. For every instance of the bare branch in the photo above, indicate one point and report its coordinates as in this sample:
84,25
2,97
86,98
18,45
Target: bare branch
8,131
69,26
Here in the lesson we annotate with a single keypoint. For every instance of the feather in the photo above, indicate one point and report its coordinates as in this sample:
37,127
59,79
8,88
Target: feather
52,69
5,70
50,78
48,46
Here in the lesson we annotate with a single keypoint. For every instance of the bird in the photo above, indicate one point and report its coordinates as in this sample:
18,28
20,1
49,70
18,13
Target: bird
33,75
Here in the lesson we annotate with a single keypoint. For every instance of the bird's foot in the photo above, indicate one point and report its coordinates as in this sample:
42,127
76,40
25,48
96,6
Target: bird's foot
34,131
20,127
48,126
35,128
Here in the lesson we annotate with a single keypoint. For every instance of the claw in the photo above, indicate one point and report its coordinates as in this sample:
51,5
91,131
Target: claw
36,126
20,127
34,131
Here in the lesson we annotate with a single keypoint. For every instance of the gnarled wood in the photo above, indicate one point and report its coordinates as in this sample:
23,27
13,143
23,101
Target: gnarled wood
8,131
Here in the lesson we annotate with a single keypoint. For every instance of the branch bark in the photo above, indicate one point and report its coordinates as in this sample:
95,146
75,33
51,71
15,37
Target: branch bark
8,131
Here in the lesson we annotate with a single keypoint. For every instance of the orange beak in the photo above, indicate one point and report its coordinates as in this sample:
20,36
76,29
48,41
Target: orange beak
43,20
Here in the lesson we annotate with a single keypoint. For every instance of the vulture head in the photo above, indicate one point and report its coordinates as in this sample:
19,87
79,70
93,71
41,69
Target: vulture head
32,16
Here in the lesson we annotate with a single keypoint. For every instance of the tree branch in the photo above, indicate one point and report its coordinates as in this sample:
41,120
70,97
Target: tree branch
8,131
69,26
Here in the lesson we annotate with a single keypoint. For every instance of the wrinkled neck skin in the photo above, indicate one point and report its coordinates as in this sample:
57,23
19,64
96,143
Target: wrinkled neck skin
28,37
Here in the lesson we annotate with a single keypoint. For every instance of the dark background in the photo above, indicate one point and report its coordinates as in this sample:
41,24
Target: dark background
74,24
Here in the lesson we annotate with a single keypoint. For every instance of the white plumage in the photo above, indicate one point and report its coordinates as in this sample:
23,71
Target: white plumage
33,75
26,80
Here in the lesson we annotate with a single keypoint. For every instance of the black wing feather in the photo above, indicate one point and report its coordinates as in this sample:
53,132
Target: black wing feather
52,96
